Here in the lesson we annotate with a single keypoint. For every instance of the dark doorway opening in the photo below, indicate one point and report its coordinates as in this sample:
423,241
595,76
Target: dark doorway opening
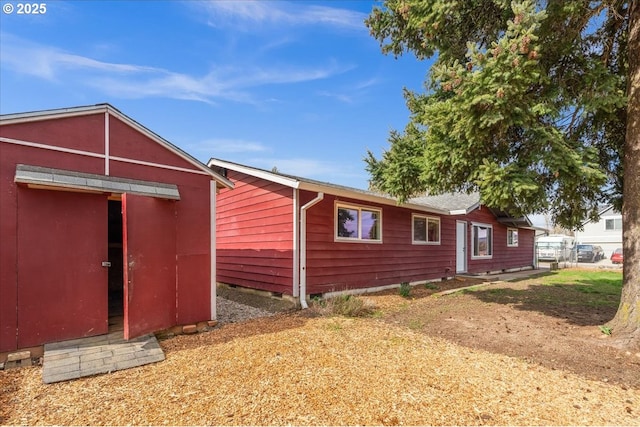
116,272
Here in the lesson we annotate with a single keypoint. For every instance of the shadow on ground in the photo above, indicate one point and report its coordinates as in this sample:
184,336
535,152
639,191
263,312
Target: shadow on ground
576,304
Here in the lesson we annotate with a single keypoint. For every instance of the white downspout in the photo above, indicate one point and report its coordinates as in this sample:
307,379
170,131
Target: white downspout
213,191
296,241
303,248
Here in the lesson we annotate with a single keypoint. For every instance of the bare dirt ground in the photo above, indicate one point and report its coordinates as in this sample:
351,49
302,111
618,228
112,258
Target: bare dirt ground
546,325
505,354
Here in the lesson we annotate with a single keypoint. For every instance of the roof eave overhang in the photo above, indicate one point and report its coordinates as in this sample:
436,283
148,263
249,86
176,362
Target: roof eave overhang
522,222
372,198
289,182
59,179
319,188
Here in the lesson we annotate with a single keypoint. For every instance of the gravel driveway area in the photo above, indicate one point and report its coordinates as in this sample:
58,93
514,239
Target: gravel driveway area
232,312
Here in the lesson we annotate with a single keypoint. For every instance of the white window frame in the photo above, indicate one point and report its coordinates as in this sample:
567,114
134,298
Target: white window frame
614,219
510,242
427,219
474,227
359,208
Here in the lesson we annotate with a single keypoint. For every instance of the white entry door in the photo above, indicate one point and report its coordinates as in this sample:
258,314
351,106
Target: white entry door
461,247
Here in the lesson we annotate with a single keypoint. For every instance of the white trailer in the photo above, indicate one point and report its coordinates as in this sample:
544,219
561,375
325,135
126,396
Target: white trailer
556,247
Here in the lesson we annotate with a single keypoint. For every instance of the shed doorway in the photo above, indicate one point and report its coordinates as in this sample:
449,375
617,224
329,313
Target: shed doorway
116,272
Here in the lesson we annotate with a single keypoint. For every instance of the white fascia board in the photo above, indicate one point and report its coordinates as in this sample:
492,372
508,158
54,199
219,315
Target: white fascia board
357,195
318,187
289,182
33,116
460,212
465,211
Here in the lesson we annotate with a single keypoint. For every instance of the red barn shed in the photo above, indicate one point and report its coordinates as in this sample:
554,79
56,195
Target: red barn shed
298,237
100,217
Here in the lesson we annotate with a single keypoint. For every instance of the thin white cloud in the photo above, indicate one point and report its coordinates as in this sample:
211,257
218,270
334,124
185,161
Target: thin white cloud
46,62
342,97
247,14
352,94
222,145
138,81
365,84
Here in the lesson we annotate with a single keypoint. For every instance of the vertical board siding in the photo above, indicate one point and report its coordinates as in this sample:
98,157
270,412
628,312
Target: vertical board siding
86,133
255,234
10,156
193,246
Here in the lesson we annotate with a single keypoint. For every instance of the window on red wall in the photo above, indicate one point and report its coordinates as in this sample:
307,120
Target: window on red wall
356,223
482,237
425,230
512,237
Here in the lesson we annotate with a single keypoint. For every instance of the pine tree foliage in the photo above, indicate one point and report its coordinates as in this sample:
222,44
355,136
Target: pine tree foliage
535,104
525,103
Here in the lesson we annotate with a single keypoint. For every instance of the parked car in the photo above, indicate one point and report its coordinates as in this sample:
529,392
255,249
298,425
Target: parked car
617,257
589,253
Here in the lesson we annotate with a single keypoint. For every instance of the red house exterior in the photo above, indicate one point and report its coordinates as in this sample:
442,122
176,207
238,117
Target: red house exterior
293,236
100,217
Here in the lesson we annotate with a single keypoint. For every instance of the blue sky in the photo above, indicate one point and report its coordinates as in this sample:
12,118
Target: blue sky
298,85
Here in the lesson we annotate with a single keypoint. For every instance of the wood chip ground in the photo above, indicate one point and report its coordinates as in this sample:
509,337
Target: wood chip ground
300,369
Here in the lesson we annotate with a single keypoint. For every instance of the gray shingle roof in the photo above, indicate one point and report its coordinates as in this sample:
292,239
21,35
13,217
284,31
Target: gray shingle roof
59,178
449,201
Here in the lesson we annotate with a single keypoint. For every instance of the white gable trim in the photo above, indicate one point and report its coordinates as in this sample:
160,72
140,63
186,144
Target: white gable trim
258,173
110,110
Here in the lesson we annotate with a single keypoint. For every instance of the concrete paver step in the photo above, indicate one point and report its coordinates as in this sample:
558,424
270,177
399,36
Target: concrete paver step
83,357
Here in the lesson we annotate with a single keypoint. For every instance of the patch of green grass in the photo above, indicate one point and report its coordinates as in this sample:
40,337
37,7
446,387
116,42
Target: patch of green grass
606,283
432,286
564,288
470,289
605,329
377,314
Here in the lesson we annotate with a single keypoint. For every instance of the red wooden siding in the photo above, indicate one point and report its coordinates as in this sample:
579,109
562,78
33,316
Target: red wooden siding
193,244
255,234
57,264
84,133
10,156
137,146
336,265
191,294
504,257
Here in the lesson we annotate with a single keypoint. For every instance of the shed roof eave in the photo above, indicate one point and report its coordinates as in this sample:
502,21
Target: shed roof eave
42,177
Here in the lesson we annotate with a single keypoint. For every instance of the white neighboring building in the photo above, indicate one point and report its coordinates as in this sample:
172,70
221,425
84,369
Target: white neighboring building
606,233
